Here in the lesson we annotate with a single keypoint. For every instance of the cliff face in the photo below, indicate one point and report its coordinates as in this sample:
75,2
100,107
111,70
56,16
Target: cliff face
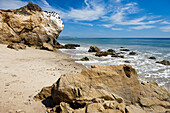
30,25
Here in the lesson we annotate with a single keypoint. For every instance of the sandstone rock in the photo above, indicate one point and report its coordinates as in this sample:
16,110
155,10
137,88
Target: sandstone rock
132,53
16,46
94,108
134,109
30,25
45,92
85,59
164,62
93,49
47,46
152,57
108,89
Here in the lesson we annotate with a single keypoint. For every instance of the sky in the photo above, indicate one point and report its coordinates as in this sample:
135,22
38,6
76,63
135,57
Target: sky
107,18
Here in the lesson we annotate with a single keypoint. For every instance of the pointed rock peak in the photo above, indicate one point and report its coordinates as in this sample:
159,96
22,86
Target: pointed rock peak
28,9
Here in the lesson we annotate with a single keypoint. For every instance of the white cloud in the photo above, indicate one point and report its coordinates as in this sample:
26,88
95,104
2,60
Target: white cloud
165,29
142,27
117,29
165,22
11,4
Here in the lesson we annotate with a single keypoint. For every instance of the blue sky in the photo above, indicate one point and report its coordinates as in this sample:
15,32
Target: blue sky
107,18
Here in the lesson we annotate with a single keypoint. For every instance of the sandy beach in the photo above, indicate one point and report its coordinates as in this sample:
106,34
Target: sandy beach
24,73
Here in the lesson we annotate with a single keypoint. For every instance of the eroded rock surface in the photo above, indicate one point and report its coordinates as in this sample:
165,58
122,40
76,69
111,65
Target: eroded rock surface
107,89
29,25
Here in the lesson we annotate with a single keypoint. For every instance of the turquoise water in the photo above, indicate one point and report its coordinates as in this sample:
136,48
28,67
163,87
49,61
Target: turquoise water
147,69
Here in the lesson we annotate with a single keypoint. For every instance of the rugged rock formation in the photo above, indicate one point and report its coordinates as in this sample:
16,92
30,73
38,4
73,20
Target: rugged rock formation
16,46
106,89
29,25
93,49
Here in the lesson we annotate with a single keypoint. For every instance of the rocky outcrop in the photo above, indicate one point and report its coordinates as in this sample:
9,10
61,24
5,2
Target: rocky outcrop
16,46
93,49
29,25
107,89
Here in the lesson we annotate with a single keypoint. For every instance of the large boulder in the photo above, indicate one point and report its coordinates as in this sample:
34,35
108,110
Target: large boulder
108,89
93,49
30,25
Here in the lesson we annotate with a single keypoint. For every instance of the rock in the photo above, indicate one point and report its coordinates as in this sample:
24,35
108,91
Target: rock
122,47
45,93
124,50
134,109
116,55
111,50
16,46
30,25
132,53
100,76
93,49
108,89
85,59
102,53
152,57
164,62
47,46
126,61
95,108
72,45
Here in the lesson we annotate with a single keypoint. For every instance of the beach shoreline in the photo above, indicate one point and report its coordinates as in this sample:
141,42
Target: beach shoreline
24,73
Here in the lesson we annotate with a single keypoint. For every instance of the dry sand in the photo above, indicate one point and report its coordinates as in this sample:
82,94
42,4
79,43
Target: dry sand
23,73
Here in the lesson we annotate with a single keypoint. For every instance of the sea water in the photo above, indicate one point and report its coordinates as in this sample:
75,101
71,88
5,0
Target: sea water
147,69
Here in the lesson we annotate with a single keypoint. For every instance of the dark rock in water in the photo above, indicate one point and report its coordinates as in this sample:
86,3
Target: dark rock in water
116,55
71,46
85,59
132,53
111,50
126,61
152,57
122,47
93,49
102,53
17,46
164,62
124,50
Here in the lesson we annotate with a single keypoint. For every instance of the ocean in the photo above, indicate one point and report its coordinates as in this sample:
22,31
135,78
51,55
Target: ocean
147,69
